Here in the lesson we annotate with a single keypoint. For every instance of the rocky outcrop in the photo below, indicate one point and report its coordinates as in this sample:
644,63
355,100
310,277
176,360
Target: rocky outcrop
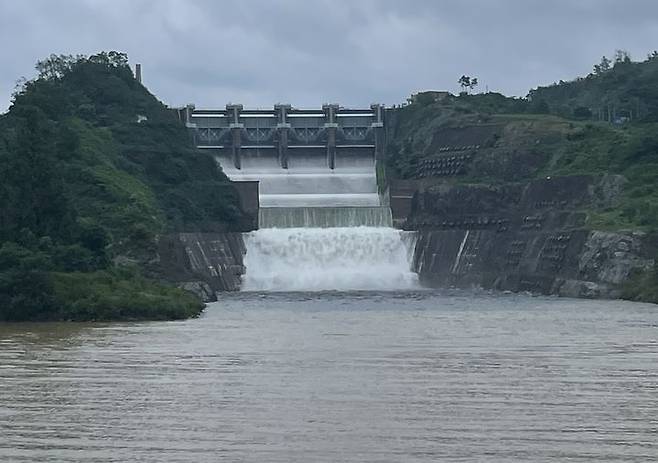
203,263
575,263
551,203
201,289
606,261
524,237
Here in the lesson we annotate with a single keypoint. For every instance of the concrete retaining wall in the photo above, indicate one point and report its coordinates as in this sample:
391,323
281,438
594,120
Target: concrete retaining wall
523,237
204,263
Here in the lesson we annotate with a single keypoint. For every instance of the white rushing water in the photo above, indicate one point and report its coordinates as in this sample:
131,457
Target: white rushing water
308,181
316,259
320,228
324,217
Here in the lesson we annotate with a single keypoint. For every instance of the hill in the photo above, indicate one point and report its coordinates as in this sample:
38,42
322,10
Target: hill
557,131
94,169
616,90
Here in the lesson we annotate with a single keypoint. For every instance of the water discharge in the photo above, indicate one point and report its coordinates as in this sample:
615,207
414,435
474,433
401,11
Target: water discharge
320,228
324,217
308,181
314,259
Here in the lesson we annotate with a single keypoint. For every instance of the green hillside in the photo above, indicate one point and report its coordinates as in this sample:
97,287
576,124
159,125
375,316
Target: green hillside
94,168
617,88
528,143
605,124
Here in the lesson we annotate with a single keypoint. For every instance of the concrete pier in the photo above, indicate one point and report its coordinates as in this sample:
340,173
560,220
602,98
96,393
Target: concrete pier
233,113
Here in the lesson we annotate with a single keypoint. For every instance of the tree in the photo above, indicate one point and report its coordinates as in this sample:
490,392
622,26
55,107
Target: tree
539,106
603,66
34,187
26,291
467,83
474,83
582,112
622,57
55,66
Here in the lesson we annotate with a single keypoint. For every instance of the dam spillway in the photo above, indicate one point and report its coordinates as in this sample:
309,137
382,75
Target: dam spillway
321,252
321,157
325,217
308,181
322,225
317,259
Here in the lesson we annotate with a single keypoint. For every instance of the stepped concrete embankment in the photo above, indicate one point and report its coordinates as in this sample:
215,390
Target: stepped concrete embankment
204,263
530,236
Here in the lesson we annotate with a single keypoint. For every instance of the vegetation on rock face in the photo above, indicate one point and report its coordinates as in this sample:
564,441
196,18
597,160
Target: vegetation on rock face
531,143
617,89
93,168
642,287
604,125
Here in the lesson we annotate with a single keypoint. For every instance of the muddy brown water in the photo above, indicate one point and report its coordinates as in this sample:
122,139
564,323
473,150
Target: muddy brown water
328,377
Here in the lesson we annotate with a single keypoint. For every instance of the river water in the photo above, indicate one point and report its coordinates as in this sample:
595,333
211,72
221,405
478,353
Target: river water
327,377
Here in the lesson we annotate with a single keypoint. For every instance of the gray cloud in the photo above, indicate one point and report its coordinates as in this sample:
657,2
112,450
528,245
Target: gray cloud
307,52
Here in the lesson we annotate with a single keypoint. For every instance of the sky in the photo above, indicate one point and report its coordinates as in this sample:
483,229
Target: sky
310,52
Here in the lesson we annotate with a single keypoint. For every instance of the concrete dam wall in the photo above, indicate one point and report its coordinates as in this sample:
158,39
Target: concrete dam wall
525,237
316,191
575,263
322,157
321,223
204,263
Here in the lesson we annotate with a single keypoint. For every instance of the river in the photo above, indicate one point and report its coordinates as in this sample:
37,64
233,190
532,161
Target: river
327,377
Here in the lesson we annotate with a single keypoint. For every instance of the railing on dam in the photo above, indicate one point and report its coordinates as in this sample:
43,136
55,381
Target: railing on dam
236,135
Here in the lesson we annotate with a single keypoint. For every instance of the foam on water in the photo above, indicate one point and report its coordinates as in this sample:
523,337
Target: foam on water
316,259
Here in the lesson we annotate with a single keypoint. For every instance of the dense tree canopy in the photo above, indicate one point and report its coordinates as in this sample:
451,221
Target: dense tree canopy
84,182
615,89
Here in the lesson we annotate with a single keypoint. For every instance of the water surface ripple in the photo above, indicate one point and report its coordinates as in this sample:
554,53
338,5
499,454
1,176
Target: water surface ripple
327,377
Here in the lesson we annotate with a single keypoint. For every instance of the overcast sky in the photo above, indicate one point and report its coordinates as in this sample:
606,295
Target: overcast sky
307,52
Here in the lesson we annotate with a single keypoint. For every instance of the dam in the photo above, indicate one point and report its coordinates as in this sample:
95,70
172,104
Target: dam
322,223
300,157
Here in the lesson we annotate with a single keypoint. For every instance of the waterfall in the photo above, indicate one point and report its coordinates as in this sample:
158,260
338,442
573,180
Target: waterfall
320,228
324,217
315,259
308,182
